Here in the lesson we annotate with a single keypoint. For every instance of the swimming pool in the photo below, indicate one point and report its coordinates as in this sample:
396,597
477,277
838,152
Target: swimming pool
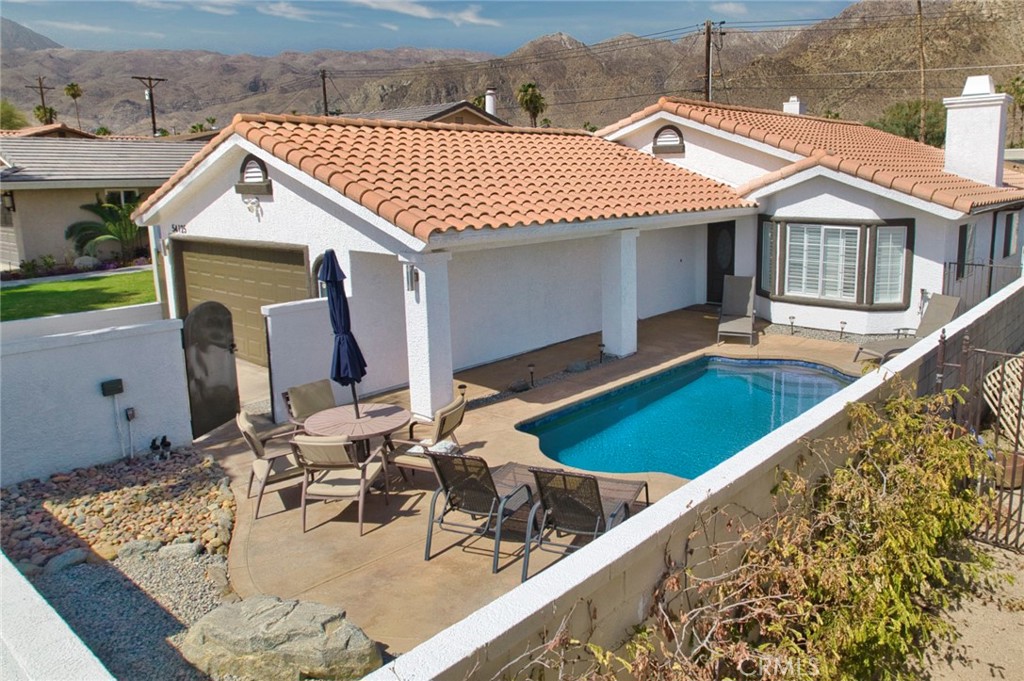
686,420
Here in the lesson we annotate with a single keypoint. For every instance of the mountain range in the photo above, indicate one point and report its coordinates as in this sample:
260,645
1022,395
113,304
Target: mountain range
853,66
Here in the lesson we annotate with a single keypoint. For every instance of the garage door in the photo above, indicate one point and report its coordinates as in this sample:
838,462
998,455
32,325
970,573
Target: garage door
243,279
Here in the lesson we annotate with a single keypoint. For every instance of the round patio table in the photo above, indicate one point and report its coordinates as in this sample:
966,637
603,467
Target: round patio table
374,420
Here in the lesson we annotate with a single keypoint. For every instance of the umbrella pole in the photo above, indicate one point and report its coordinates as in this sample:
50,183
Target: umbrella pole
355,400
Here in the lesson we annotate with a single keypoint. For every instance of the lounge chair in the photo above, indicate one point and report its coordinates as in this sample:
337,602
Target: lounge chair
940,311
572,504
736,317
410,454
274,462
307,399
468,488
331,473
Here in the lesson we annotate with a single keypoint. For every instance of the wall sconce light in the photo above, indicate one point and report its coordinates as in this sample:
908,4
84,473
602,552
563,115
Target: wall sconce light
791,329
412,277
8,200
531,367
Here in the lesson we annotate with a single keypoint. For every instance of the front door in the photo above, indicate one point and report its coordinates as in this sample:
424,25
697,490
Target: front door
721,257
210,366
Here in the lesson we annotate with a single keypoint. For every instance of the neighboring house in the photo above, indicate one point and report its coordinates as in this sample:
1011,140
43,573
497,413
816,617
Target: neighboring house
45,181
855,225
465,245
463,112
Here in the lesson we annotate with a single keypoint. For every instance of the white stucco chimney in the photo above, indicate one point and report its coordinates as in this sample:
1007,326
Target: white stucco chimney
794,106
490,101
976,131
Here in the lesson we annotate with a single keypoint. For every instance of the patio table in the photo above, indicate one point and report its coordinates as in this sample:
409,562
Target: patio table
375,420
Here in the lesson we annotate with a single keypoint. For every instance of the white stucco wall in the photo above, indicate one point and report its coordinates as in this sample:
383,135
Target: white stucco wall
710,152
300,339
80,321
509,300
53,417
35,643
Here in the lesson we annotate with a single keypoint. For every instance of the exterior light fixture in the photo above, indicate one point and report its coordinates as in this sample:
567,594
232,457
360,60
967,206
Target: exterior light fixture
8,200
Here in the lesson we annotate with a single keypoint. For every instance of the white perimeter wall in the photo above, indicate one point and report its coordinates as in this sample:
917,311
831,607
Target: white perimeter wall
616,575
301,340
53,417
80,321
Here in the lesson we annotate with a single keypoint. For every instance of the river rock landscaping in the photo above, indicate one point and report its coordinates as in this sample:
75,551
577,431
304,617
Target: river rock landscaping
182,498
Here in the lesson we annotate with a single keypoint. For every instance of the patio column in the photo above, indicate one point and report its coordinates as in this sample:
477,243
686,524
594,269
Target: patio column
618,293
428,331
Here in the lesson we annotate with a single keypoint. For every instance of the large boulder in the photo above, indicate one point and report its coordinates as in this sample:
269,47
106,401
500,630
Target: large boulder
266,638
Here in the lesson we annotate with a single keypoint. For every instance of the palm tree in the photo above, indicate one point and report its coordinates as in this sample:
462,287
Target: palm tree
531,101
45,114
74,91
115,224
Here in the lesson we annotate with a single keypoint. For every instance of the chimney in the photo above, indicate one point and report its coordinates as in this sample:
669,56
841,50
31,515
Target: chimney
490,101
976,131
794,106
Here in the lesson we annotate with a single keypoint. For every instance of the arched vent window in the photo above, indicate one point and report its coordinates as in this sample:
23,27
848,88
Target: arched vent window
252,177
668,140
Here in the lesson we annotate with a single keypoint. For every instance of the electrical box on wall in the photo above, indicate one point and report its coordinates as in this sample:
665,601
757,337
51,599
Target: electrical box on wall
114,386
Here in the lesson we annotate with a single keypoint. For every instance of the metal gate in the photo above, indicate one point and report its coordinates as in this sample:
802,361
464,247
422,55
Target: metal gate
209,343
994,409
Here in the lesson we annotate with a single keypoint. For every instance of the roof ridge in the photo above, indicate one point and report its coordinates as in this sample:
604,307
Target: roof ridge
386,123
753,109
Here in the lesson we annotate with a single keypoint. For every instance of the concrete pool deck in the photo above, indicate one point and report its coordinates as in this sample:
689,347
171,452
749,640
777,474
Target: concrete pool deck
381,579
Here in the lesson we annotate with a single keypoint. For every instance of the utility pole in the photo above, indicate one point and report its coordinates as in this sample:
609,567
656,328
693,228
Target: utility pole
920,62
42,96
150,82
323,87
707,60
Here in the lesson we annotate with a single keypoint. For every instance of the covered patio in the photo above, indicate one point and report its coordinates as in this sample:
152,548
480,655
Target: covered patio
381,579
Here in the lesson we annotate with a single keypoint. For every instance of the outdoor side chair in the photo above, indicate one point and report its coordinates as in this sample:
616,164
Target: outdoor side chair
940,311
332,473
307,399
411,454
736,316
274,461
468,488
571,503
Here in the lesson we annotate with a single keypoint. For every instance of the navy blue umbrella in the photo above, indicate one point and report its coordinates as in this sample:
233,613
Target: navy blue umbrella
347,364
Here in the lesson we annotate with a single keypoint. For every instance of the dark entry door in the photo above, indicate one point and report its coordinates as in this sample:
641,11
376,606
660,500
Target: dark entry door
210,366
721,257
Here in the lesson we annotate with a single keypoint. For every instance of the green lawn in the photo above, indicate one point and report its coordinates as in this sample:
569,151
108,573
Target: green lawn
78,295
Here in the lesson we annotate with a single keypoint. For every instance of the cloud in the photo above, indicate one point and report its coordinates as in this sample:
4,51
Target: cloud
286,10
414,8
390,27
730,9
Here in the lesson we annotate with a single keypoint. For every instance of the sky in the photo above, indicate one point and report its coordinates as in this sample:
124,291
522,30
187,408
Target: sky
492,26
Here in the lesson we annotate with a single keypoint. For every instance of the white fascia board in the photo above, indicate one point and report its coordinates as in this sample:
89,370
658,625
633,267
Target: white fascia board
111,183
860,184
480,239
666,118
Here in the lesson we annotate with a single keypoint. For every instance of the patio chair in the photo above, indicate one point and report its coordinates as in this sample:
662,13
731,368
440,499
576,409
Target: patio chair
469,489
307,399
571,503
940,311
736,317
331,473
274,462
410,454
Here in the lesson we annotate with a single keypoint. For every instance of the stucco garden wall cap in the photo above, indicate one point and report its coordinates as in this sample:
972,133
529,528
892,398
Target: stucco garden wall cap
845,146
431,178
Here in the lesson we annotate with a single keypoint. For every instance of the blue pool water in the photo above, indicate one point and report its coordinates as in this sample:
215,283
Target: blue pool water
686,420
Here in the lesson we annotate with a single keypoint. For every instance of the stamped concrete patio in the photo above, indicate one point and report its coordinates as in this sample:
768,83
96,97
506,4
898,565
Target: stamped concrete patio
381,579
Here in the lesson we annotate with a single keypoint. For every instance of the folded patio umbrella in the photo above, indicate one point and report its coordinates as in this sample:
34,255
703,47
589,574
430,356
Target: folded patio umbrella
347,364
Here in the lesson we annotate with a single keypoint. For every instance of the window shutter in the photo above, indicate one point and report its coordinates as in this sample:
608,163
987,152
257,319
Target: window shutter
889,261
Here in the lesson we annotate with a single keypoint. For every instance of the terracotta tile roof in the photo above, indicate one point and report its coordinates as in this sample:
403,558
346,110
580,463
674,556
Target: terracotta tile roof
844,146
430,178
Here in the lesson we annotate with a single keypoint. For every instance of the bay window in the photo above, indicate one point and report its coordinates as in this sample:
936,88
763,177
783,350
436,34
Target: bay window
841,265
